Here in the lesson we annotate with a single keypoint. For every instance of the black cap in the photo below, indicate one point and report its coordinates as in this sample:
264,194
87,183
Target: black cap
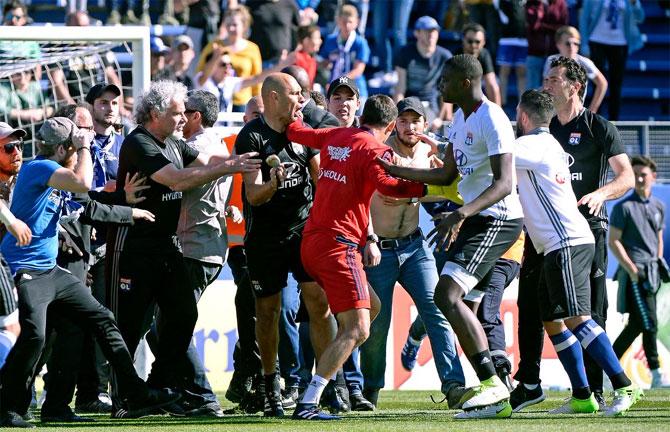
411,104
340,82
97,90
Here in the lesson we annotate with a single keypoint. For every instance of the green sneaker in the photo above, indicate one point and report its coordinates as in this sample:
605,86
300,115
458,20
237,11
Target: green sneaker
624,398
489,392
577,406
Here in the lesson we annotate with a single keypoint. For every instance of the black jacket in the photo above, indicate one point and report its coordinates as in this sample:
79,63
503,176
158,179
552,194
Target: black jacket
318,118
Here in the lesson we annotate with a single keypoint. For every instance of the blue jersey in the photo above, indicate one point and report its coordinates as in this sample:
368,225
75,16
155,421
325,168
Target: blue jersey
342,59
39,206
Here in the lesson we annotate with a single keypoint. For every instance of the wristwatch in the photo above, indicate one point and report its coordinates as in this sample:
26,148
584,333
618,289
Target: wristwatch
372,238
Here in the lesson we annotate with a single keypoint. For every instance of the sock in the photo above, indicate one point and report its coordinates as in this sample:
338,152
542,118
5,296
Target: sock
570,354
7,341
597,344
413,341
483,365
530,386
313,392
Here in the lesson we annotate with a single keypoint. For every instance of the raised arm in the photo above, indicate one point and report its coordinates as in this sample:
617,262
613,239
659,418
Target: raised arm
79,179
435,176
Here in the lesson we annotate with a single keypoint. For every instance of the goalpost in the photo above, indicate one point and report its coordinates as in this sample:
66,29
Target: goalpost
45,67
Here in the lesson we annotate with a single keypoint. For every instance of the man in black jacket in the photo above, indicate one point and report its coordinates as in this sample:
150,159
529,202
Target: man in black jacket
314,116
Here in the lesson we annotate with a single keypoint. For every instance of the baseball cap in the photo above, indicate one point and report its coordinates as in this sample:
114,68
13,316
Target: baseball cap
426,23
56,130
340,82
411,104
6,130
97,90
158,46
183,40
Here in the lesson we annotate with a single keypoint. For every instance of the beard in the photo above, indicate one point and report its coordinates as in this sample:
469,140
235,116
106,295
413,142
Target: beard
519,129
177,135
406,142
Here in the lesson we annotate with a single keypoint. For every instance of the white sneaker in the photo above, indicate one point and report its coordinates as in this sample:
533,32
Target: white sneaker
624,398
659,379
490,392
498,410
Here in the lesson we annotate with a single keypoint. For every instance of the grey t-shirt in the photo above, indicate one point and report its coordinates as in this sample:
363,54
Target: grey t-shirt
202,229
640,221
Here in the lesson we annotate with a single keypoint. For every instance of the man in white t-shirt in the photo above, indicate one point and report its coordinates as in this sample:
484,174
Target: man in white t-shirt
568,40
478,233
562,235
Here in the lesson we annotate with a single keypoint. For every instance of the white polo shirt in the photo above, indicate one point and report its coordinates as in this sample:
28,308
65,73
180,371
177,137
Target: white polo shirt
552,218
486,132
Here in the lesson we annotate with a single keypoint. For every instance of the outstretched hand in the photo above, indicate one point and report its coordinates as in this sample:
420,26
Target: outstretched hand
141,214
447,230
243,163
133,186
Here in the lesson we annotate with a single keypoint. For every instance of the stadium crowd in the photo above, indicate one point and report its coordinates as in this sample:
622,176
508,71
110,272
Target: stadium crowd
113,235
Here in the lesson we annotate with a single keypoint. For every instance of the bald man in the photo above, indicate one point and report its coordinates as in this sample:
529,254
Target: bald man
277,202
317,118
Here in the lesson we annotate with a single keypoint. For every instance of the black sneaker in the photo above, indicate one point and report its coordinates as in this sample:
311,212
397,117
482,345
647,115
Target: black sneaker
239,387
311,412
372,395
332,400
210,409
359,403
65,417
150,402
100,405
602,403
458,394
521,397
273,404
14,420
252,402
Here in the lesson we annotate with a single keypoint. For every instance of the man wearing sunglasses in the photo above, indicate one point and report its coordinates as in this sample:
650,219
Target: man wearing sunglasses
11,158
474,39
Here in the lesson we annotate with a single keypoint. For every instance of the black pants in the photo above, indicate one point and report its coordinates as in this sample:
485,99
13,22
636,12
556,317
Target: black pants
141,282
200,276
530,329
611,60
65,294
641,319
246,357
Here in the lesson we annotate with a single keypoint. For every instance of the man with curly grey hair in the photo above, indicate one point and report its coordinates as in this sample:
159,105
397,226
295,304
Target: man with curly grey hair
146,266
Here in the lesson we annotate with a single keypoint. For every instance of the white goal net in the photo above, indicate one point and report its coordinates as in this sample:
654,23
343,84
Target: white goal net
43,68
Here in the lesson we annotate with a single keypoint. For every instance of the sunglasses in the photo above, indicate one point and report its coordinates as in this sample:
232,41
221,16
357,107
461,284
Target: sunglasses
10,17
9,147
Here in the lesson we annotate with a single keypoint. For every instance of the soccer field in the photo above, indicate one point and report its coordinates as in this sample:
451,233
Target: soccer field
411,410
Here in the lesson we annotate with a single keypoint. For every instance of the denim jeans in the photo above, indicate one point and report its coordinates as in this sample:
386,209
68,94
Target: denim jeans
413,266
534,70
289,341
399,11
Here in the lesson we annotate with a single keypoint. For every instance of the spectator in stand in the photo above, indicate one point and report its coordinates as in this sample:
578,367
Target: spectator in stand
159,53
273,28
543,18
386,45
611,33
309,42
474,39
319,99
203,23
307,12
513,47
485,12
245,56
346,51
419,67
567,42
21,99
181,57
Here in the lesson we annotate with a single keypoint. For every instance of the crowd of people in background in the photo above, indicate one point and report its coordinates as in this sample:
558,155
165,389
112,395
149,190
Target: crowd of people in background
324,182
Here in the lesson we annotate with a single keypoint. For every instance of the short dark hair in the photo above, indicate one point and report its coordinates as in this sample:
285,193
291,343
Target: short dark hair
473,27
306,31
538,105
574,72
205,103
70,110
644,161
379,110
466,65
14,4
318,98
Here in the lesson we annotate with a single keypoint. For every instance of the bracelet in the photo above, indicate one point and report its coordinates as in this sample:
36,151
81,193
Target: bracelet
6,216
85,148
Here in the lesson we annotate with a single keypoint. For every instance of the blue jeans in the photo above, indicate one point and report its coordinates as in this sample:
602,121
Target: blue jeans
289,343
534,69
386,46
413,266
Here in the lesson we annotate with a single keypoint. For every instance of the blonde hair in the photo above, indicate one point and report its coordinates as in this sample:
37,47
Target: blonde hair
347,11
242,12
567,30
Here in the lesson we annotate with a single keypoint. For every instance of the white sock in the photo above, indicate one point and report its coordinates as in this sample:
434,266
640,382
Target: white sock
413,341
530,386
313,393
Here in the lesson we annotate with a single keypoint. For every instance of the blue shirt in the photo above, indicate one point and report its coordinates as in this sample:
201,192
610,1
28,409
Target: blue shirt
343,61
105,152
39,206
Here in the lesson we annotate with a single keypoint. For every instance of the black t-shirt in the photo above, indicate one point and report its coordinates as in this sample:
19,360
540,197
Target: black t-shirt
201,11
273,27
286,212
142,152
590,142
484,58
422,73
